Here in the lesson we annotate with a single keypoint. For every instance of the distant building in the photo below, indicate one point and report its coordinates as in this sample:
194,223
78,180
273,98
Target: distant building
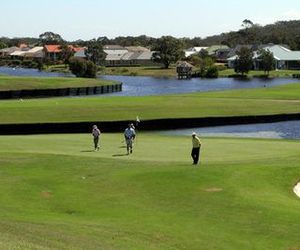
194,50
35,53
213,50
284,58
127,56
7,51
52,52
80,53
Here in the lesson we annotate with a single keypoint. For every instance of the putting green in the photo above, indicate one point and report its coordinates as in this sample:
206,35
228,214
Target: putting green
56,193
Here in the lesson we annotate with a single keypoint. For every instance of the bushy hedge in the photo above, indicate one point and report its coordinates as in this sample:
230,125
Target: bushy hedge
212,72
82,68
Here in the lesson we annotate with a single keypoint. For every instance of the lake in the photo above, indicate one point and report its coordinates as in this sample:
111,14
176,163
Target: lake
278,130
149,86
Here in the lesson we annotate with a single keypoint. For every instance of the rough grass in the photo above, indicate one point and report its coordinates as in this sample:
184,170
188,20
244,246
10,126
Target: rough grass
277,100
58,194
28,83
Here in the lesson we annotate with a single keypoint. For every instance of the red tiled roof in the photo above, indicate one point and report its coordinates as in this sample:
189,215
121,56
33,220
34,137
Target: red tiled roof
56,48
52,48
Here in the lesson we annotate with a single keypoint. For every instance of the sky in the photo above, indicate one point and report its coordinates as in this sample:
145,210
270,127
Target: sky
87,19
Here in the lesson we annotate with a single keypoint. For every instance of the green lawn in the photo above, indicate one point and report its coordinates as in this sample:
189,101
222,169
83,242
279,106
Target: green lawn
22,83
277,100
58,194
274,73
155,71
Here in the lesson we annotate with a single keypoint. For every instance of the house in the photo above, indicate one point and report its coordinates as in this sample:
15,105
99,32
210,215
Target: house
284,58
194,50
80,53
7,51
137,49
127,56
213,50
114,50
35,53
222,55
52,52
28,53
130,59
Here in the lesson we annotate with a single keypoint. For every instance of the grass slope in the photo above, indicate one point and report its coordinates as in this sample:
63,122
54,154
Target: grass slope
277,100
22,83
57,194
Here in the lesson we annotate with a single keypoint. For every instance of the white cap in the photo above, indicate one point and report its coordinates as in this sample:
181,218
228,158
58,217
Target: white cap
194,133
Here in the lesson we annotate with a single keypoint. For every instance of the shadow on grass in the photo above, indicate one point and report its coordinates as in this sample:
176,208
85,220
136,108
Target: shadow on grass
120,155
87,151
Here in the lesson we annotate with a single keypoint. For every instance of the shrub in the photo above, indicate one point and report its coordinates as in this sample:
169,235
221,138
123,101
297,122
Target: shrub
124,70
91,70
82,68
212,72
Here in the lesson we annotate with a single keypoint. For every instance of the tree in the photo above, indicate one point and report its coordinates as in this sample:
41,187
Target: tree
91,70
205,64
194,60
247,24
82,68
2,45
66,53
94,51
267,60
244,61
212,72
168,50
50,38
203,53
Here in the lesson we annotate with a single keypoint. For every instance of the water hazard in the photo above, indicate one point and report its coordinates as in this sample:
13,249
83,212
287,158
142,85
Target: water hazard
149,86
278,130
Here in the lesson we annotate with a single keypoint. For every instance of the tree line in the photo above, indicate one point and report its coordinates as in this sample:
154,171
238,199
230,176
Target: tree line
282,32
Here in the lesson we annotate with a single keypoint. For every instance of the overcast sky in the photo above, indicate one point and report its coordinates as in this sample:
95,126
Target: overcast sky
87,19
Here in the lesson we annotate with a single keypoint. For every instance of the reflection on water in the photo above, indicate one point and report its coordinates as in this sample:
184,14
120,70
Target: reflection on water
278,130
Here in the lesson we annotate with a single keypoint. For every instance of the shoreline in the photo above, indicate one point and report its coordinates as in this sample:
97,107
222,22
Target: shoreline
147,125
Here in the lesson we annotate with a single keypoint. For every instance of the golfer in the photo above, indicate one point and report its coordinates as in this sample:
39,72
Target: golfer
196,148
96,135
129,135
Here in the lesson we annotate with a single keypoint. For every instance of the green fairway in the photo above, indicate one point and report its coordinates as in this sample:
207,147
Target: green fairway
22,83
265,101
56,193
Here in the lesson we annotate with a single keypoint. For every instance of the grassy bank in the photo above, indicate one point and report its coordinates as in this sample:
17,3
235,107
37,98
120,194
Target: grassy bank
277,100
154,71
260,73
63,196
22,83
